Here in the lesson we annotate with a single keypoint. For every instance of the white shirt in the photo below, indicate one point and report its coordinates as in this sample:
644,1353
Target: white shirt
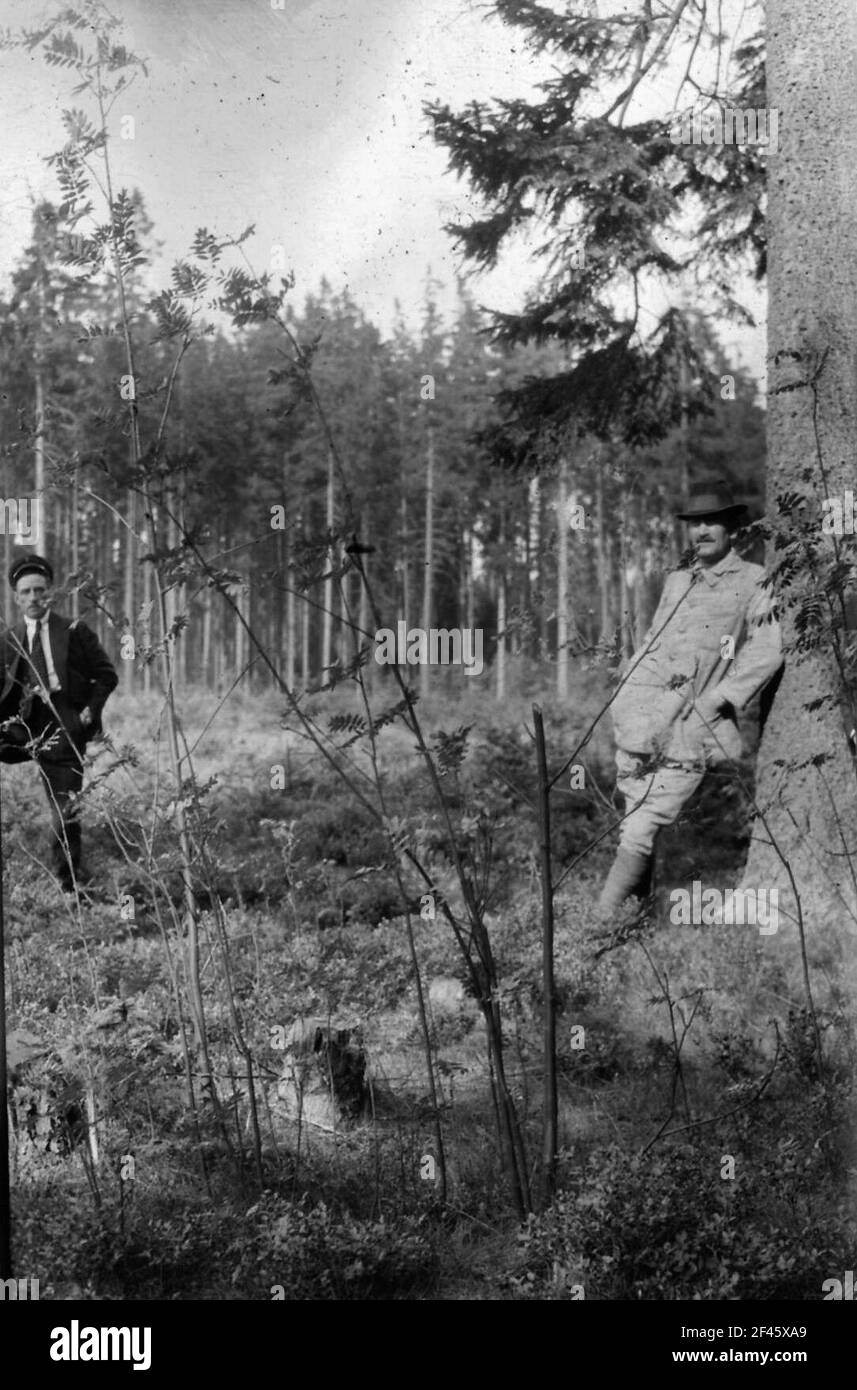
32,624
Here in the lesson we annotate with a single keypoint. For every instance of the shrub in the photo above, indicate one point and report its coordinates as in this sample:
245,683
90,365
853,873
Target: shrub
314,1252
666,1226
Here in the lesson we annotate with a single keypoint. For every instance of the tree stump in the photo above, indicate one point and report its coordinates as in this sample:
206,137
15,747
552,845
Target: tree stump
324,1075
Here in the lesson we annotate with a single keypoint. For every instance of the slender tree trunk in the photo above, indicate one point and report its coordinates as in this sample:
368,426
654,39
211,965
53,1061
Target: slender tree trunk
306,618
550,1106
104,563
39,442
405,592
625,619
537,581
470,561
363,616
405,581
171,594
288,579
238,628
327,628
128,667
147,610
344,638
528,567
74,522
7,553
205,655
428,570
684,455
641,613
280,554
181,589
500,674
602,557
562,578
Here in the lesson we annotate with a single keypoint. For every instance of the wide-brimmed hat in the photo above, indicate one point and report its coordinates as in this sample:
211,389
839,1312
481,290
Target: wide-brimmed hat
711,499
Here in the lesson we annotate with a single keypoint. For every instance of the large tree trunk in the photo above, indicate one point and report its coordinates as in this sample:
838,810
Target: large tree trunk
807,785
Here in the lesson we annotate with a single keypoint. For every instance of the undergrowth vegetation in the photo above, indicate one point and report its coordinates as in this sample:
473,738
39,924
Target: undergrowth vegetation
715,1168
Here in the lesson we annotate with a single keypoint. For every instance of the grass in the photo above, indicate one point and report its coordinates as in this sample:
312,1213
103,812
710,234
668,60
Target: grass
350,1214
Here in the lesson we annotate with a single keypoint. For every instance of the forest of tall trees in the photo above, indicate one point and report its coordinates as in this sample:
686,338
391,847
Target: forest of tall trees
551,555
340,949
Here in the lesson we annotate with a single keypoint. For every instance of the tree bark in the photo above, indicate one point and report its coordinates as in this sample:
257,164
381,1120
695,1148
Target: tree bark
562,578
38,367
363,617
500,689
171,597
240,632
74,524
327,626
550,1104
602,556
306,615
807,781
288,578
405,591
147,608
428,572
129,668
641,606
205,656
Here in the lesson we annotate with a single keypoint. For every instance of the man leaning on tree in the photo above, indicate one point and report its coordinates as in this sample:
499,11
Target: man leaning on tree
713,645
54,680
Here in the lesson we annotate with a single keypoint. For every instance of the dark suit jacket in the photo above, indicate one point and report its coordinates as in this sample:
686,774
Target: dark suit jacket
84,670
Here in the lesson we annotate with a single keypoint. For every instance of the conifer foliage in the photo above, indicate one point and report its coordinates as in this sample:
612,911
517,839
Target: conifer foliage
619,214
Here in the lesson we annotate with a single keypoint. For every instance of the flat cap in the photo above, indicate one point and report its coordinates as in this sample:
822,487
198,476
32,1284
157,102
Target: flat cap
30,564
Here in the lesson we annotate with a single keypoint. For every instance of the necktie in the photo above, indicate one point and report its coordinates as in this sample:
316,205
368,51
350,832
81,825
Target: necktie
39,672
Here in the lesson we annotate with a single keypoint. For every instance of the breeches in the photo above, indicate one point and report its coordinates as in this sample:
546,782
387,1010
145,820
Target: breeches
653,797
61,769
62,781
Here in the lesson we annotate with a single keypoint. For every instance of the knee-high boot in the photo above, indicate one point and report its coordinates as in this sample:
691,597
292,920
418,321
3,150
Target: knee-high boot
629,870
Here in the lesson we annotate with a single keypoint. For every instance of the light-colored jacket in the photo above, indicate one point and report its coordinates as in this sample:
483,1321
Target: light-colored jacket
715,630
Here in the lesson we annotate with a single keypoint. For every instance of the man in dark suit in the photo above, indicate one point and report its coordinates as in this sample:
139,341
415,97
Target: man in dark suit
54,680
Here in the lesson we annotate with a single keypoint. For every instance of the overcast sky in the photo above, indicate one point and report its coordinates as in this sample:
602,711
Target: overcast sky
305,120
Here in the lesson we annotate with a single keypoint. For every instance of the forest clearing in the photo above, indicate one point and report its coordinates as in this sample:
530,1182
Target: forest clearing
678,1023
437,877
